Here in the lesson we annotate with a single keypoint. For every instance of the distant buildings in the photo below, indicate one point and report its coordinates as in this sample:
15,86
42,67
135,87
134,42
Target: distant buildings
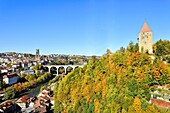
145,39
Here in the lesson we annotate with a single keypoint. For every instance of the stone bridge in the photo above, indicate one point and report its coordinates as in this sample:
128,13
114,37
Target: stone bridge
60,66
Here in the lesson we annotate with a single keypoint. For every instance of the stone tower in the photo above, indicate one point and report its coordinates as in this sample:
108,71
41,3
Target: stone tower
145,39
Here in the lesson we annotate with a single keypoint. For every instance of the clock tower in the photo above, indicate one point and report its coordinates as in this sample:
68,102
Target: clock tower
145,39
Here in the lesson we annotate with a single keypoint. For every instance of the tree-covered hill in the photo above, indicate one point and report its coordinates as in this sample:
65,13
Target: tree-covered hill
117,83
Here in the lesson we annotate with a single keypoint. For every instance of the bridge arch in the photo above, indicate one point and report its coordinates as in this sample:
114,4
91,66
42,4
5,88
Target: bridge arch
69,69
53,70
65,68
61,70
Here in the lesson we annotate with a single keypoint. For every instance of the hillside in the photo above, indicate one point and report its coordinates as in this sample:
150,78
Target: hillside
118,82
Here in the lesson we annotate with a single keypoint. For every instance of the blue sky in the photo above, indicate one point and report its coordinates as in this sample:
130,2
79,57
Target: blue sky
84,27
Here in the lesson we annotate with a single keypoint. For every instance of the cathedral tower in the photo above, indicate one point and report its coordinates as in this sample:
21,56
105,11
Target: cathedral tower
145,39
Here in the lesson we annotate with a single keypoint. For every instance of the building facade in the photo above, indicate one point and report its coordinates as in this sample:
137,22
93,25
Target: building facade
145,39
10,78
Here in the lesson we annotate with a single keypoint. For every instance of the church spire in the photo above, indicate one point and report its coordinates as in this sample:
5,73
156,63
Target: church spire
145,28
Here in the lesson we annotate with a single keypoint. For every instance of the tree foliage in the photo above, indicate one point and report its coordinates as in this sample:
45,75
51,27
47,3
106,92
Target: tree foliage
118,82
162,47
9,93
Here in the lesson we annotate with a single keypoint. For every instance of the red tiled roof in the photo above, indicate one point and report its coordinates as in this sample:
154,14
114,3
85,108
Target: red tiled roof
44,98
155,86
23,99
41,109
161,103
6,104
145,28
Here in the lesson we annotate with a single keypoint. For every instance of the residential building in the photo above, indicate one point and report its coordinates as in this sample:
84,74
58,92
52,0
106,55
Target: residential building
10,78
27,72
8,107
23,102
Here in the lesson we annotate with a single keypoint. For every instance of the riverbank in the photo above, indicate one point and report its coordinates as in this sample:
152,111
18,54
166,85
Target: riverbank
32,90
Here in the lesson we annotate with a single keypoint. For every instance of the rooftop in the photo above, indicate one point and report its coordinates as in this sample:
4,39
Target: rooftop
145,28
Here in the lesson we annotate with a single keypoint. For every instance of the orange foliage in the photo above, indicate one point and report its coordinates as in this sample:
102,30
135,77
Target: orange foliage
98,87
18,87
86,90
136,106
97,106
73,93
104,92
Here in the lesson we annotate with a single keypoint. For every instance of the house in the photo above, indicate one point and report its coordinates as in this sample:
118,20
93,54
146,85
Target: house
23,102
4,70
11,78
27,104
28,72
44,93
160,103
1,94
52,86
42,104
15,65
52,101
28,110
160,96
8,107
24,65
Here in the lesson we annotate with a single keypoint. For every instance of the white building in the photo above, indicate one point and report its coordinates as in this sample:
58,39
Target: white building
4,71
11,78
28,72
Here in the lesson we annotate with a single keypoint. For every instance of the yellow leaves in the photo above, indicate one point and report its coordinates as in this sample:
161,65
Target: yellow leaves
88,98
101,87
104,91
151,109
98,87
137,101
74,93
86,90
138,59
136,106
97,106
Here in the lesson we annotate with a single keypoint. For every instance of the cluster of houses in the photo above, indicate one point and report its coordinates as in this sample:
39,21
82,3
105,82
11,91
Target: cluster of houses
14,62
160,96
40,104
12,65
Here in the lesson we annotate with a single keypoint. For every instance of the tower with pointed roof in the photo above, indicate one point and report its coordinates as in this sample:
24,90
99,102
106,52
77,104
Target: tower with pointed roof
145,39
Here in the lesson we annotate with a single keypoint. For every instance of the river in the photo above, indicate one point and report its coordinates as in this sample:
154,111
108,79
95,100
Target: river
36,90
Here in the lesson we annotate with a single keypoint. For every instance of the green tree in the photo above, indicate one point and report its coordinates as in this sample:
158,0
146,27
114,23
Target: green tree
9,93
